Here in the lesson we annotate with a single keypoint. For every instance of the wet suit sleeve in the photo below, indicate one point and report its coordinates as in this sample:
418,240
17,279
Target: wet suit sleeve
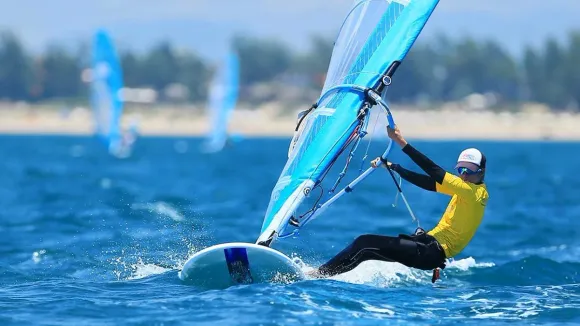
445,182
419,180
432,169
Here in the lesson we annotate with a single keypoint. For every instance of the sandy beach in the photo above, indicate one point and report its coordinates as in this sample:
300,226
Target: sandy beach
535,123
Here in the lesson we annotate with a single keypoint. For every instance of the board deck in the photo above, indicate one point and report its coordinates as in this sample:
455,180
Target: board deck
229,264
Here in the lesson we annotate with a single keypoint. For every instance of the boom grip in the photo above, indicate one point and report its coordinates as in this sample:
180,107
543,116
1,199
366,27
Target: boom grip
392,125
391,121
379,100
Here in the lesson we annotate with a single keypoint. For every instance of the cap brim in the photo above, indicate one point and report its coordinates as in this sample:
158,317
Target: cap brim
469,165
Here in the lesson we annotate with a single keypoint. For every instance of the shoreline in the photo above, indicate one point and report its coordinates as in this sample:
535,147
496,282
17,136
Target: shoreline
274,121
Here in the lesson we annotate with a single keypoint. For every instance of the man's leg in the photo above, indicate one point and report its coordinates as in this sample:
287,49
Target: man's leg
371,247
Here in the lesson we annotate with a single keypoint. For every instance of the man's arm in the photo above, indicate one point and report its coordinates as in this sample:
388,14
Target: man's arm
432,169
419,180
445,182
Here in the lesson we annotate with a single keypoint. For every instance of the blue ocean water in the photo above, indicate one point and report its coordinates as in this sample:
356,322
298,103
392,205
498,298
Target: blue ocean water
90,239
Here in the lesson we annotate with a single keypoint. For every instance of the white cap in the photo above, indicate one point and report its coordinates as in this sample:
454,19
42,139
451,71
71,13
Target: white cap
472,159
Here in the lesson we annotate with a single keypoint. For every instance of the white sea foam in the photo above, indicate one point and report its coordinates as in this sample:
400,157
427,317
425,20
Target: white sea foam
466,264
161,208
142,270
386,274
37,256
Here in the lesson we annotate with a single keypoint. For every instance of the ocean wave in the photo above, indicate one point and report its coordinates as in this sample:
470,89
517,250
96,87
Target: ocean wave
531,270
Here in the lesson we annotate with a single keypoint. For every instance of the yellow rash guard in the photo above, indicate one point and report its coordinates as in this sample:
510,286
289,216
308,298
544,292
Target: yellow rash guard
462,216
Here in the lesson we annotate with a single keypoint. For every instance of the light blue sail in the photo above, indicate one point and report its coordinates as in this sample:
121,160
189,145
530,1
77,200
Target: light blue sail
223,96
376,35
106,85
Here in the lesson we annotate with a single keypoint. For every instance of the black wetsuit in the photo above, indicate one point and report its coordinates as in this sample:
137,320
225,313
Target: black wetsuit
419,250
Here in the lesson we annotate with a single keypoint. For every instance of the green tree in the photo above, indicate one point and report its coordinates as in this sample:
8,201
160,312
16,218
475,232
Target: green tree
61,74
546,74
552,91
571,80
479,67
418,76
502,75
15,68
195,74
314,63
533,74
133,68
160,67
261,60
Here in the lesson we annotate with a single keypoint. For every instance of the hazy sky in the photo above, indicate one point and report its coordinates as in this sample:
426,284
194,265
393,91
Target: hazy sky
205,25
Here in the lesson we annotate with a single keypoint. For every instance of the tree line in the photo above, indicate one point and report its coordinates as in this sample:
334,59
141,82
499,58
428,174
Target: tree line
436,71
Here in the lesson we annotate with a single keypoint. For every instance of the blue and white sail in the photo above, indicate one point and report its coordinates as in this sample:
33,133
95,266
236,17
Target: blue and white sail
374,38
106,85
223,96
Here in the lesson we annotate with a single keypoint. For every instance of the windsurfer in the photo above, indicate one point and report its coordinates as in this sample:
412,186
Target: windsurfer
229,141
128,138
456,228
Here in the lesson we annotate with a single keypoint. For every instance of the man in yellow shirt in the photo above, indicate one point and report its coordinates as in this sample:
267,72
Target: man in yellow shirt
454,231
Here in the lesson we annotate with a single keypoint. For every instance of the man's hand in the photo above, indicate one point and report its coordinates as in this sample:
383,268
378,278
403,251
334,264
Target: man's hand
377,161
396,136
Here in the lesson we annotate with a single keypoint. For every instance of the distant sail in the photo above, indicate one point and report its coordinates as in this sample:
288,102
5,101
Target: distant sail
223,96
106,85
375,37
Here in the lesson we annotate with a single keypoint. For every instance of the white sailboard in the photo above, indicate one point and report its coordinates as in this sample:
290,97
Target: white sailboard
228,264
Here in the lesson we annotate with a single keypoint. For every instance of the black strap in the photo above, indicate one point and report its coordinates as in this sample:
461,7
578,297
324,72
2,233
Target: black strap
432,169
314,106
392,176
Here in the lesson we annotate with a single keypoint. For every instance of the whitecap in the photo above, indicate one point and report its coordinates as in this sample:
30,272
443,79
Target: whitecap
37,256
467,263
